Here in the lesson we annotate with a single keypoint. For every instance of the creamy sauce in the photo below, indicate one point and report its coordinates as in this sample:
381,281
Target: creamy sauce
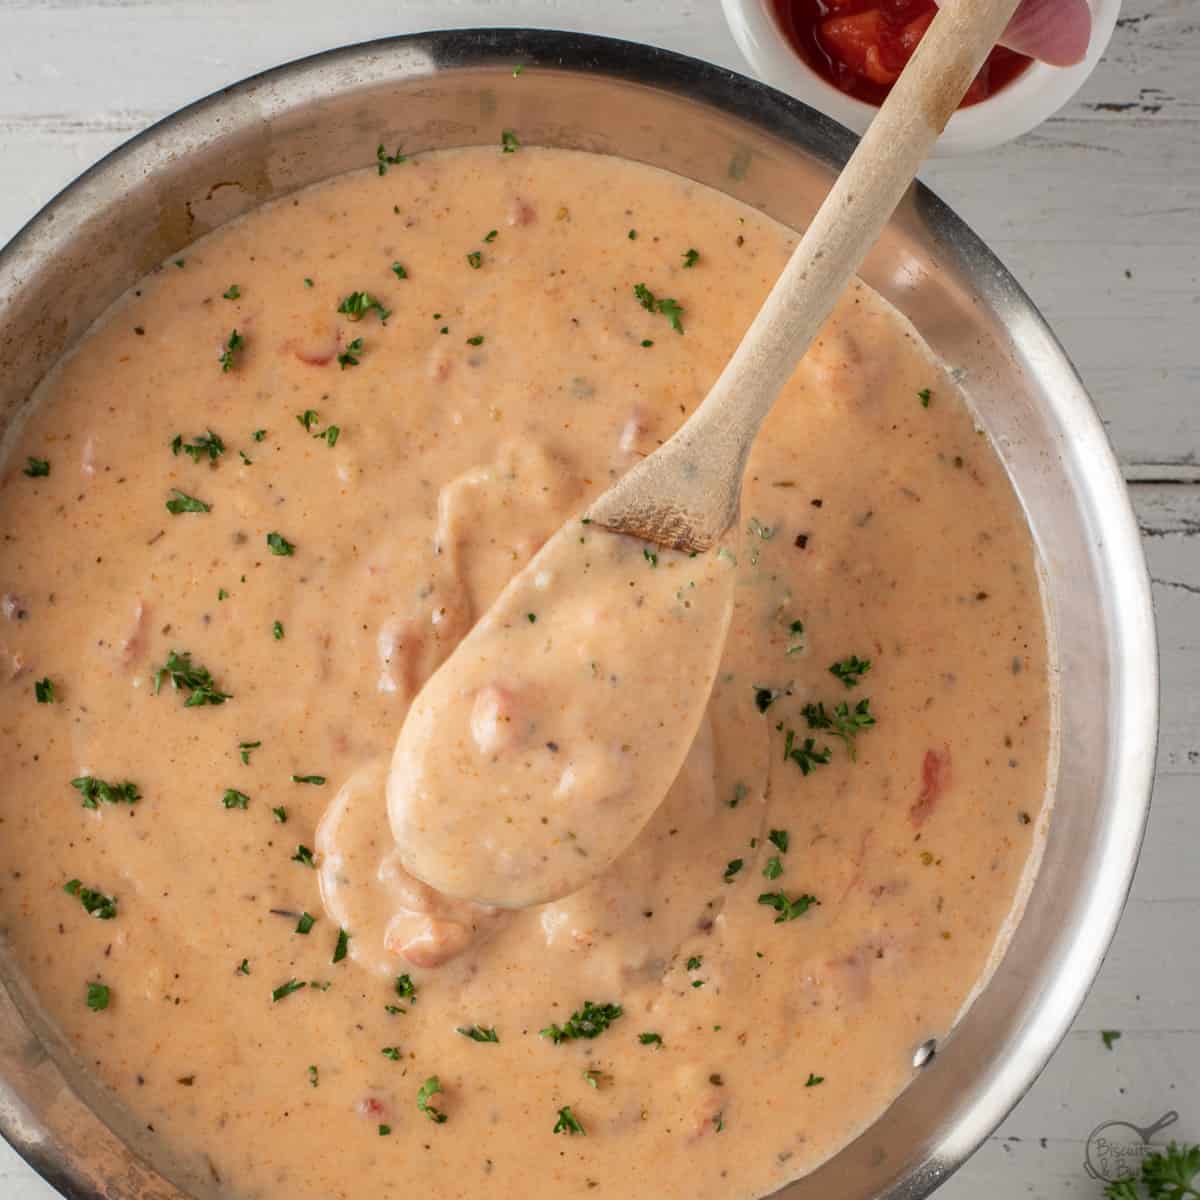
543,744
794,920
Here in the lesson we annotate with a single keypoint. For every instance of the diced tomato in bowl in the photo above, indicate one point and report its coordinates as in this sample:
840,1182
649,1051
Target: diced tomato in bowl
861,46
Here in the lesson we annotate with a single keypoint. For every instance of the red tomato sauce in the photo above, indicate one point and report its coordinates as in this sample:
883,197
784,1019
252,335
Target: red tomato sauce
861,46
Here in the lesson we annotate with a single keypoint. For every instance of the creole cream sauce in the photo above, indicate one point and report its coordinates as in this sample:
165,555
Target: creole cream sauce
794,920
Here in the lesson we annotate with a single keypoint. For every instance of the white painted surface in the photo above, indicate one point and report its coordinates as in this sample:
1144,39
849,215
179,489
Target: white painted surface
1097,213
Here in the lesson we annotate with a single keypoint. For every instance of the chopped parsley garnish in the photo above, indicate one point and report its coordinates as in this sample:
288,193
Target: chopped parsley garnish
305,924
765,697
316,780
314,1077
286,989
430,1088
647,343
279,545
475,259
740,792
732,868
509,142
691,258
232,292
1170,1174
349,356
359,304
209,444
925,395
779,838
518,69
185,675
796,629
532,618
588,1022
95,904
392,1052
98,996
95,790
330,434
785,909
304,856
393,1010
384,1130
650,1039
244,749
280,814
399,271
36,468
850,670
568,1123
813,1080
308,418
342,947
259,434
383,159
243,968
1108,1036
632,235
181,502
594,1078
806,756
844,722
695,962
405,988
650,556
222,594
477,340
43,691
479,1033
235,344
234,799
307,282
277,631
491,235
774,867
671,309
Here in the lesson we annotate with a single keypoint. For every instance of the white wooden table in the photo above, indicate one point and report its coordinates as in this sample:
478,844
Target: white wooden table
1097,213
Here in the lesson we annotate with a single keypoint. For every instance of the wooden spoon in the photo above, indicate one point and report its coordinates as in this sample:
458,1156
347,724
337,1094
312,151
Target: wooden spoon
541,747
686,494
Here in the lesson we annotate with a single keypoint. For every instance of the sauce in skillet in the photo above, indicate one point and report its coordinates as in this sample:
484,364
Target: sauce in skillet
227,585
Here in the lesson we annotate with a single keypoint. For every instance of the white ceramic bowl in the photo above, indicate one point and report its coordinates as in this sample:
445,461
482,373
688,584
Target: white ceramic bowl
1033,96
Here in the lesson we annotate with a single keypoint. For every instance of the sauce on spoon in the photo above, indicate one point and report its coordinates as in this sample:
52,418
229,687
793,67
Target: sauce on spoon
544,743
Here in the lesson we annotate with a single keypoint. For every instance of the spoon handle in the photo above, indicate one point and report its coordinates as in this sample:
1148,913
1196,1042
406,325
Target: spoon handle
858,206
708,454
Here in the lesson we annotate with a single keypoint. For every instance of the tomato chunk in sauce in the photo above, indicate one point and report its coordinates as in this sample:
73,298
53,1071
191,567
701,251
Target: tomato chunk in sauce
861,46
